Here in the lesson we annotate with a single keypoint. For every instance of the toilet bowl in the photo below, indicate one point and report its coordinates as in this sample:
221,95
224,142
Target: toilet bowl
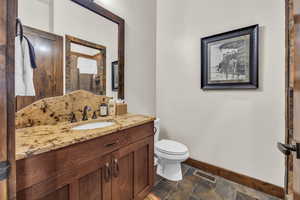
169,155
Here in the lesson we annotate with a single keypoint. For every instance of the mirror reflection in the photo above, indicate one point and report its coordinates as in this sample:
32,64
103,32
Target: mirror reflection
75,49
85,66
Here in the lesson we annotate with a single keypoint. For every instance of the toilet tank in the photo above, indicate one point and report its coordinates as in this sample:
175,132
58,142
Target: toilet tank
156,126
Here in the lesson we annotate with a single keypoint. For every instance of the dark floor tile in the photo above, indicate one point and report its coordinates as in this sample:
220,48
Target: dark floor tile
162,189
193,198
173,184
189,172
180,195
157,179
195,187
208,195
203,186
184,168
242,196
225,189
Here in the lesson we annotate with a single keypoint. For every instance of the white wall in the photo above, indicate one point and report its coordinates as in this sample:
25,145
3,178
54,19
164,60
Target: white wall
236,130
28,10
140,47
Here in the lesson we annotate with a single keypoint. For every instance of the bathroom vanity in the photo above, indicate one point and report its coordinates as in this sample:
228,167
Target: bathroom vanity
60,161
48,159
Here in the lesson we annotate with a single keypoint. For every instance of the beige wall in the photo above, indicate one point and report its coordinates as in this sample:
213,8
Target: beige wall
28,10
236,130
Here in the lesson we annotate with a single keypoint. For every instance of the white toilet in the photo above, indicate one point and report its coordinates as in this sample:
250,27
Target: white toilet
169,156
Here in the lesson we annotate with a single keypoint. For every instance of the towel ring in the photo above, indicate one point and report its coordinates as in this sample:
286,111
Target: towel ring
19,27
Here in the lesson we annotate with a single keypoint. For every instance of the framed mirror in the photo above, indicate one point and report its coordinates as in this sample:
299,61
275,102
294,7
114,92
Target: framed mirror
97,9
86,67
76,44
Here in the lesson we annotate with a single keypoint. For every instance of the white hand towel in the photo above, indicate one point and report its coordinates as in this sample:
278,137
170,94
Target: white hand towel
28,71
19,69
23,71
87,66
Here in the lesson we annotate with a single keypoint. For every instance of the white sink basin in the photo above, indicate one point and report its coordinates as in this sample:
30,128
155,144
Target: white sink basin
93,125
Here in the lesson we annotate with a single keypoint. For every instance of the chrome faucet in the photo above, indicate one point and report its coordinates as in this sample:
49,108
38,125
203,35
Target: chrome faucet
85,112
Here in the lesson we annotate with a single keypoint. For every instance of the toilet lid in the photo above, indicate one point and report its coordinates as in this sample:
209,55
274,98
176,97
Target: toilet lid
171,147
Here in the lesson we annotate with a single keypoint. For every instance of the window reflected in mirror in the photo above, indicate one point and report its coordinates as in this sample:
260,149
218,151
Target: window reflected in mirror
115,75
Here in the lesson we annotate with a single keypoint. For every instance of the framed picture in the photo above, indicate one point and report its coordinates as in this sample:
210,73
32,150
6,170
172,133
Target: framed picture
230,60
115,75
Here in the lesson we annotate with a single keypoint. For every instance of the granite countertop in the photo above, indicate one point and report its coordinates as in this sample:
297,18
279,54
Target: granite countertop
40,139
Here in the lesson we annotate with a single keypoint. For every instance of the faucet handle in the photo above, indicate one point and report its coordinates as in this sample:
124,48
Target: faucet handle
94,115
72,117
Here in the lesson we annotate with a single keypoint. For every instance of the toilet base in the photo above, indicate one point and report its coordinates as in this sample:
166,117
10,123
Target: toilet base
170,171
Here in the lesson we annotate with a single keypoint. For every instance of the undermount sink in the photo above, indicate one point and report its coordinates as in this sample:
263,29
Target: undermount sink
93,125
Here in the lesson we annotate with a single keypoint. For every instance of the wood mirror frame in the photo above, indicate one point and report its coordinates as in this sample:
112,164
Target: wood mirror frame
69,85
96,8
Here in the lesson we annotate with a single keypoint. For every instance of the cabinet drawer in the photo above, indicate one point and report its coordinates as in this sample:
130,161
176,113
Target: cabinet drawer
137,133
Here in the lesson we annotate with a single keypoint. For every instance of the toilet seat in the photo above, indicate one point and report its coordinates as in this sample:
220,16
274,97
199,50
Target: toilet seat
170,147
173,158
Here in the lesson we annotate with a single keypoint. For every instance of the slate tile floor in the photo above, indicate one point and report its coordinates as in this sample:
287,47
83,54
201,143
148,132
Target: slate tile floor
194,187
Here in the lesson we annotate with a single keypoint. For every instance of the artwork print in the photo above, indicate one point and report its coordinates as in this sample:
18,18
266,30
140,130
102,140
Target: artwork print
230,60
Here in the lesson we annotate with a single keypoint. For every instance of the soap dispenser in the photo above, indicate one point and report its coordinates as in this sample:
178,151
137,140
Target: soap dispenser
103,110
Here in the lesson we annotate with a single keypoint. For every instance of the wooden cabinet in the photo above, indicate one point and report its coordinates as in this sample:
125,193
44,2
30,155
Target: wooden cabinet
118,166
133,170
96,184
60,194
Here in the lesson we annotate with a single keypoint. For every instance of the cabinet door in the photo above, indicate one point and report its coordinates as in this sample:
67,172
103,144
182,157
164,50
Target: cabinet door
95,185
132,169
88,181
60,194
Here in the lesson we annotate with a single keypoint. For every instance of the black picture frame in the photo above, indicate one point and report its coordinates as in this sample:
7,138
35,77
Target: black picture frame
251,74
114,75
